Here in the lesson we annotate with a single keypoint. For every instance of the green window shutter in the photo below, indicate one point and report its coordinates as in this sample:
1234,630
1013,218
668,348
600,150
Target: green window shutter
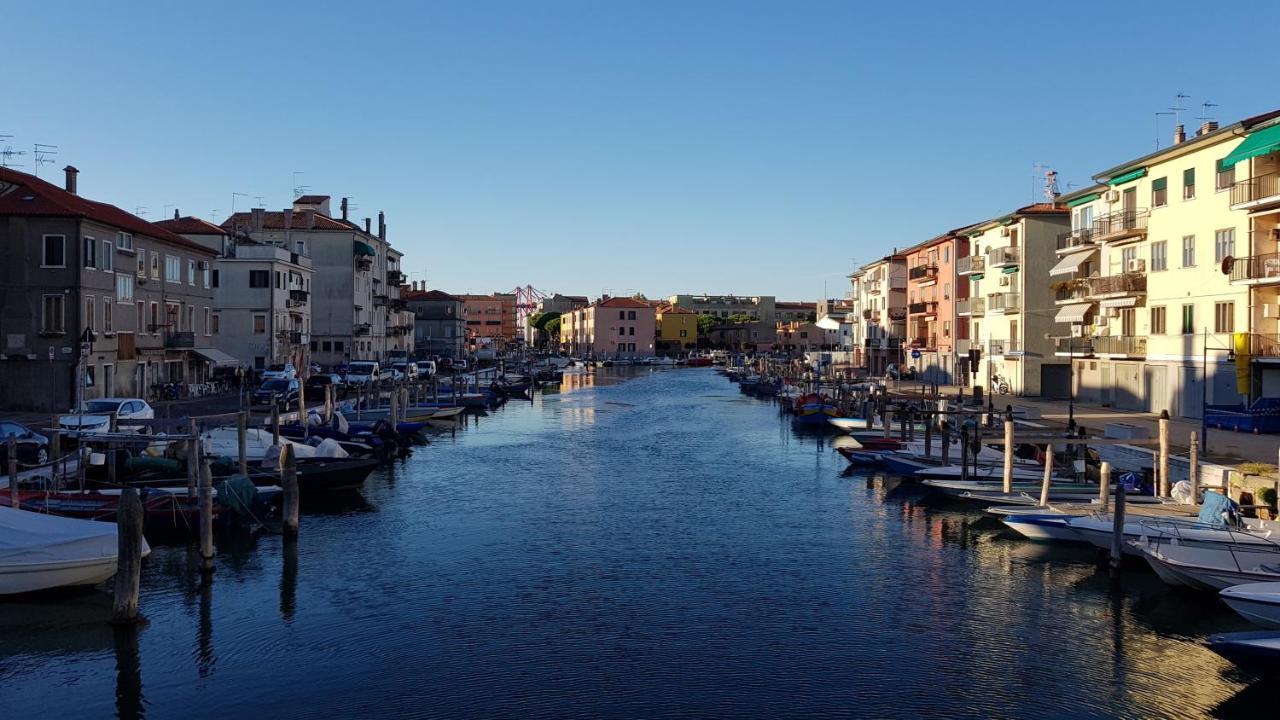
1189,177
1159,184
1223,167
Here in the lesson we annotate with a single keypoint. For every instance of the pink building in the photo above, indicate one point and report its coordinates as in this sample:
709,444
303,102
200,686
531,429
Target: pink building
609,328
934,330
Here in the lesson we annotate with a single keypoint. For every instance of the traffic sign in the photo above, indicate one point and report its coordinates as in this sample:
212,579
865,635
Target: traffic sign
915,354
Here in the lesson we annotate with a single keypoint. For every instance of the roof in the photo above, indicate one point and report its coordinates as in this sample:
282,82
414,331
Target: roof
622,302
311,199
667,309
191,226
25,195
1247,125
274,220
439,295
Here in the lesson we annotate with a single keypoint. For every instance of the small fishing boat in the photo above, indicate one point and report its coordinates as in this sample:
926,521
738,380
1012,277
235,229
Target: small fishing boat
1042,524
1219,522
42,552
1210,566
162,511
1259,603
813,411
1257,652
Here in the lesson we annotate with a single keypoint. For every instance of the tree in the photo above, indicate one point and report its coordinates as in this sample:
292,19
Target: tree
543,319
552,328
706,323
741,318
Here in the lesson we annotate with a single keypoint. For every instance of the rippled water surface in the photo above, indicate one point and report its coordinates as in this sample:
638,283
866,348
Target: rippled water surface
646,546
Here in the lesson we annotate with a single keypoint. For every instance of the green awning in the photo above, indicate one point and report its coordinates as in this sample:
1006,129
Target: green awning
1010,270
976,276
364,249
1160,183
1082,200
1127,177
1266,140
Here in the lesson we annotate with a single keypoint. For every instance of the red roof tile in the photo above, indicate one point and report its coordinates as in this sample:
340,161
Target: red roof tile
26,195
274,220
622,302
428,295
191,226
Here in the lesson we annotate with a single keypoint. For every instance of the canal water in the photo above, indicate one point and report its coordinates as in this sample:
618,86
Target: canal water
643,543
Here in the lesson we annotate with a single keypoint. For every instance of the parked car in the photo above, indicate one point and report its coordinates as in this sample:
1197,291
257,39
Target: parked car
459,365
317,383
33,448
896,373
281,393
280,372
427,368
95,415
363,372
405,371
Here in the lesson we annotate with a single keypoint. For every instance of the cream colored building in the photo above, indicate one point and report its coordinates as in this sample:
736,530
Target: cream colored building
1010,305
1166,261
879,296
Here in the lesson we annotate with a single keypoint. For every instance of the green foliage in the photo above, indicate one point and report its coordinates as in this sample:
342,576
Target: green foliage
1256,468
741,318
552,326
541,320
535,320
706,323
1267,496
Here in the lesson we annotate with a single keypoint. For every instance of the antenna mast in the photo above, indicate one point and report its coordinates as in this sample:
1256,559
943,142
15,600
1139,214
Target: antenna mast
43,155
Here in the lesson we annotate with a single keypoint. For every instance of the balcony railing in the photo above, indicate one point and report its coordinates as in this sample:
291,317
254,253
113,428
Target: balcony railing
363,329
1126,284
298,295
1120,224
395,277
1130,345
1075,346
897,314
1255,189
179,340
1009,301
971,306
963,345
971,264
925,341
928,307
1075,238
923,272
1005,347
1071,290
1267,346
1004,256
1256,267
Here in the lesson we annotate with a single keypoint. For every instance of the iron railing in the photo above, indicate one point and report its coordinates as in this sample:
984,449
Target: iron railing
1004,347
1004,256
1075,238
1255,188
1132,345
1128,283
1256,267
928,307
1004,301
923,272
1121,223
1073,345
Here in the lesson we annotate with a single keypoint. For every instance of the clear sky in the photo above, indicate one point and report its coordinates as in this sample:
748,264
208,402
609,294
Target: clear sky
648,146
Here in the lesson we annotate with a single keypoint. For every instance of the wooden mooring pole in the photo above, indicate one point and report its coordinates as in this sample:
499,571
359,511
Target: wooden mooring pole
275,425
242,439
124,605
1117,523
1048,475
205,498
289,486
1165,485
1104,485
13,471
1194,469
1008,449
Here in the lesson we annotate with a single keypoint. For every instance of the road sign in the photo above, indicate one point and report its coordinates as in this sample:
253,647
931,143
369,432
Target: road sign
915,354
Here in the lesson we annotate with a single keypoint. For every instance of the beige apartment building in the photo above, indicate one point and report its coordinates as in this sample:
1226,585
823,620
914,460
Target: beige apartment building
879,292
1169,273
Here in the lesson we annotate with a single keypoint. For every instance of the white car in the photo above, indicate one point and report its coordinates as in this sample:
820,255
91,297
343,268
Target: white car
280,372
404,371
94,416
363,372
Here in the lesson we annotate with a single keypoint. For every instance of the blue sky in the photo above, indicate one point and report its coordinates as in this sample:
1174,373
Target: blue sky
659,147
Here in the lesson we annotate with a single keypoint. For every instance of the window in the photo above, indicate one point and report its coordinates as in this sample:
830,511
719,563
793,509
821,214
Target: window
1160,192
259,324
89,305
946,328
142,263
1157,320
155,265
1188,250
216,325
172,269
1188,183
142,316
259,278
124,288
338,346
55,251
124,240
191,272
191,318
946,253
1224,244
631,331
1225,176
208,321
946,291
631,315
214,278
1224,314
108,256
279,280
1127,256
1188,319
90,253
622,314
52,316
204,274
108,324
684,333
1159,256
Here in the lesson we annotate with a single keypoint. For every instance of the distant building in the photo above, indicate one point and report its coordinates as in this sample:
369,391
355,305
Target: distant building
491,320
795,311
609,328
676,329
84,274
440,322
797,337
556,303
750,336
879,290
758,307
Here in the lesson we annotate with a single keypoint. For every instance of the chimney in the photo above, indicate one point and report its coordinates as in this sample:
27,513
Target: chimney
1179,134
175,213
288,218
367,223
1208,126
71,172
310,216
382,226
259,218
344,209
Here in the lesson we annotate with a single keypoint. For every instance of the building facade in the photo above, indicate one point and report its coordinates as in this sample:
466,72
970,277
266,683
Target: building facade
756,307
934,331
609,328
676,329
440,322
881,289
95,299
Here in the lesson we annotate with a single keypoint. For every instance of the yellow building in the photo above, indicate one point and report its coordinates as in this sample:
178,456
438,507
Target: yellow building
1165,262
677,329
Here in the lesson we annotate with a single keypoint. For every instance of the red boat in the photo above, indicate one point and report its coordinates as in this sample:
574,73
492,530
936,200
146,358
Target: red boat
161,511
699,362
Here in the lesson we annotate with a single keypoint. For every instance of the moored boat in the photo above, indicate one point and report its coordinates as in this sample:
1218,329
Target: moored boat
1259,603
42,552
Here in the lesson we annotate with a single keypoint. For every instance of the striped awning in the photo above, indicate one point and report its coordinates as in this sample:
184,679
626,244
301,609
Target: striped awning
1071,263
1120,302
1073,313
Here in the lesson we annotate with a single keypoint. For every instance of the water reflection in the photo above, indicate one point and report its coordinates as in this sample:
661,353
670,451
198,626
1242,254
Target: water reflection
289,580
128,667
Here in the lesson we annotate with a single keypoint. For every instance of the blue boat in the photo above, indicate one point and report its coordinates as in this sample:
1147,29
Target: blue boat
1257,652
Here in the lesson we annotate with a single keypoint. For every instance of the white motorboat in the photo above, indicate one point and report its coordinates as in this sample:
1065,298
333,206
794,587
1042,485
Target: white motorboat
225,442
41,552
1210,566
1259,603
1219,522
1047,525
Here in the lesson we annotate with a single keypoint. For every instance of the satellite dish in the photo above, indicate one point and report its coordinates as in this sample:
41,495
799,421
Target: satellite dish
1228,262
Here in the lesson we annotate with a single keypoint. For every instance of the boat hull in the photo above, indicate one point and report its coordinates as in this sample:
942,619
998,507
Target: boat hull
1259,603
27,578
1256,652
1049,527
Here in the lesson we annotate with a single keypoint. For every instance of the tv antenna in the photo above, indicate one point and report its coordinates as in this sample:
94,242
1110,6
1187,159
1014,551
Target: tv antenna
1039,173
235,195
1177,107
7,153
43,155
259,198
1157,121
1204,111
298,188
214,215
140,210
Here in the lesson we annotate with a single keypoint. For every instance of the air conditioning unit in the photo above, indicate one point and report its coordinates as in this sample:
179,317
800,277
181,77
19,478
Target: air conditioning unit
1077,330
1137,265
1112,196
1004,232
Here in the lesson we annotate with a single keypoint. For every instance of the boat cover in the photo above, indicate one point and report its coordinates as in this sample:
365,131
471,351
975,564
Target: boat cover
28,538
1217,510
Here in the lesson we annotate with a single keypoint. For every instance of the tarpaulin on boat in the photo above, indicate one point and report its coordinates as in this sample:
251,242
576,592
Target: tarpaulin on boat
28,538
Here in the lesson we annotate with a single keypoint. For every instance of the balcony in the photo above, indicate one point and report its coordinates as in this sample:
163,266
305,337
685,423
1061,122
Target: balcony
963,345
1256,193
179,340
1005,347
380,299
1073,290
298,295
1004,302
1004,257
1074,240
395,277
294,337
363,329
363,262
1133,283
971,306
1264,347
925,342
1256,269
925,273
1121,225
1073,347
1119,345
897,314
971,265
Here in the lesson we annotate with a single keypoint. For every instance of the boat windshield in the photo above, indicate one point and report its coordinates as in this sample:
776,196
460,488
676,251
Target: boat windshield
102,406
